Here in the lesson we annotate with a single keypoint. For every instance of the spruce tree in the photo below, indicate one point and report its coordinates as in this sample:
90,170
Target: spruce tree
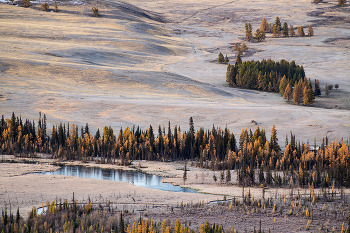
300,31
285,30
121,224
283,84
244,47
291,31
310,31
221,58
236,47
44,6
297,93
259,35
226,59
264,27
274,140
55,6
248,32
238,60
288,95
184,177
317,90
278,22
275,32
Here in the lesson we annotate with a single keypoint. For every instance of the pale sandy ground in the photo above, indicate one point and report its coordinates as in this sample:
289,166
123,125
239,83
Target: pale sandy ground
123,69
25,190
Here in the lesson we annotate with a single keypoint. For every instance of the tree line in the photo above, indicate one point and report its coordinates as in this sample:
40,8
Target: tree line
256,159
276,29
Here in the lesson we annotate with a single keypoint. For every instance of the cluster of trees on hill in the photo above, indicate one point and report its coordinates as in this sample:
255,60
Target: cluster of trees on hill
264,75
283,77
276,29
214,149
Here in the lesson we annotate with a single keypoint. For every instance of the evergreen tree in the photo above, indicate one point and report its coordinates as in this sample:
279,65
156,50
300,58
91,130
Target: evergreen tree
300,31
221,58
308,95
278,23
274,140
236,47
264,27
317,90
297,93
283,85
184,177
285,30
228,175
341,3
291,31
275,32
55,6
288,93
26,3
121,224
226,59
310,31
244,47
248,32
238,60
95,11
44,6
259,35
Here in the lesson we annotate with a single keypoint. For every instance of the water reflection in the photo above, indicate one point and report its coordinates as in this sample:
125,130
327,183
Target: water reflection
134,177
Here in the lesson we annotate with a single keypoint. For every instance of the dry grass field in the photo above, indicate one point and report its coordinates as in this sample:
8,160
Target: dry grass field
150,62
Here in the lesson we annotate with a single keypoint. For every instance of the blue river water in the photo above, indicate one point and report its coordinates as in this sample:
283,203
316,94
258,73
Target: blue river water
135,177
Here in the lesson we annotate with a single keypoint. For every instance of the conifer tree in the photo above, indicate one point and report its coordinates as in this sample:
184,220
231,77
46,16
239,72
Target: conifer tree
288,95
185,172
236,47
26,3
278,23
327,90
55,6
238,60
274,140
44,6
283,84
259,35
244,47
95,11
317,90
248,32
226,59
121,224
308,94
275,31
221,58
300,31
297,93
264,27
291,31
310,31
285,30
